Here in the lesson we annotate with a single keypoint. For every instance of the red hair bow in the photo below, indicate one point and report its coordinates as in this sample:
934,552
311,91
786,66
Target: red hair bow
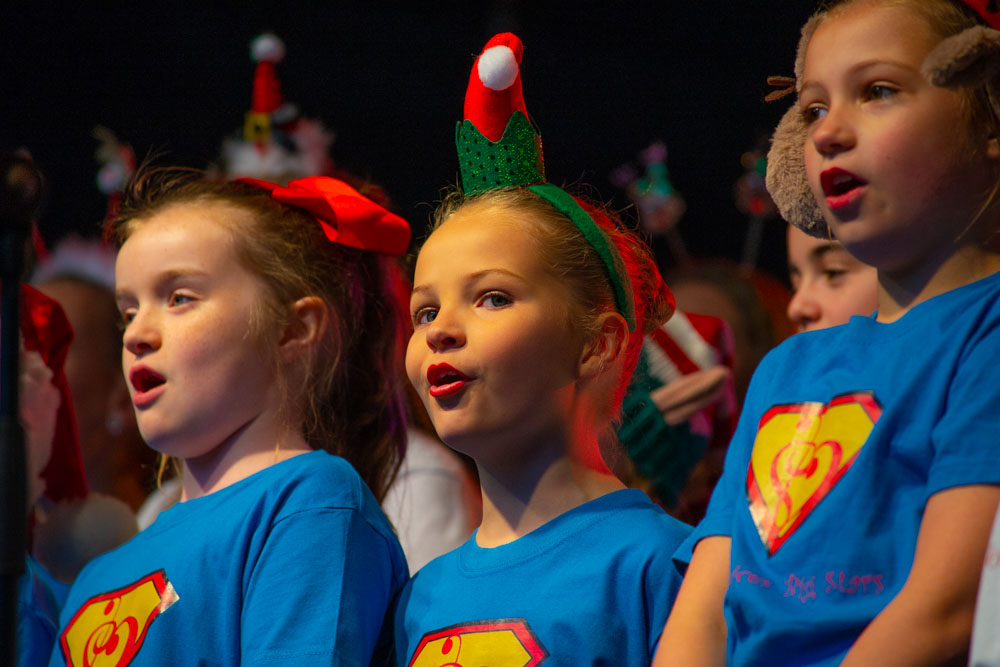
988,9
346,216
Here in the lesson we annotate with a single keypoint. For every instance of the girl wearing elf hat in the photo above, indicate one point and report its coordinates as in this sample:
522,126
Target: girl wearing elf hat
529,308
852,518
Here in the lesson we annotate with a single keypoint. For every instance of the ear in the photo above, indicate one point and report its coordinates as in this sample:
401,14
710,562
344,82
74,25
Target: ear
607,347
308,319
993,148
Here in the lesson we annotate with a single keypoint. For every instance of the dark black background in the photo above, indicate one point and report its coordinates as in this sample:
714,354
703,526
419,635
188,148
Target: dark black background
601,79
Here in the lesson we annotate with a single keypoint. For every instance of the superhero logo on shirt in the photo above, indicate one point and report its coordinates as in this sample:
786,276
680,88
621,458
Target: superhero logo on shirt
108,629
801,451
505,642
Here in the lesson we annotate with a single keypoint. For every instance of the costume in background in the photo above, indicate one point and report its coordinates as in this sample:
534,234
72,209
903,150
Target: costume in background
985,650
295,564
592,586
68,525
429,502
432,500
845,434
663,454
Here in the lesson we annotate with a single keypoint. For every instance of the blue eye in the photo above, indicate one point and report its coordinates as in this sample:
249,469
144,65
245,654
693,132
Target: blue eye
178,299
879,92
496,300
424,316
813,113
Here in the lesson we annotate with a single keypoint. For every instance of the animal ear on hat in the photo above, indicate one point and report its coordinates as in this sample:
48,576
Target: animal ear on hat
786,164
970,58
786,176
808,30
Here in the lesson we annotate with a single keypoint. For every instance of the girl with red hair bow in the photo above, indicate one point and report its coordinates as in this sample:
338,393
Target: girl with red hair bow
260,343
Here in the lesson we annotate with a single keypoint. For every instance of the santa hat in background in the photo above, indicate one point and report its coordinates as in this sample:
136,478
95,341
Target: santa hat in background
276,144
989,10
46,330
76,525
80,259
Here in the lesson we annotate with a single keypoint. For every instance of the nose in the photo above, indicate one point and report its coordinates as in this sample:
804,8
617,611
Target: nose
142,334
804,309
834,132
444,333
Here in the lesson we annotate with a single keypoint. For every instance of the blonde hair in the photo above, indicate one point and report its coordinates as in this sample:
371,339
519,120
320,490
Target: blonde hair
571,259
945,18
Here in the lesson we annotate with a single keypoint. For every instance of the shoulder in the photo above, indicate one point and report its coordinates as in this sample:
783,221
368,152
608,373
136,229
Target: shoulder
639,525
317,478
318,482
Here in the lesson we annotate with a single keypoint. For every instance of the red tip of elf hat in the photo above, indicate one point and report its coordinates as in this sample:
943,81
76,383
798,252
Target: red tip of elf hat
494,91
266,50
988,9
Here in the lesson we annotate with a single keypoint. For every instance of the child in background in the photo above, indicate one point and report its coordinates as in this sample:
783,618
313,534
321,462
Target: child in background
529,309
829,284
80,275
259,345
852,518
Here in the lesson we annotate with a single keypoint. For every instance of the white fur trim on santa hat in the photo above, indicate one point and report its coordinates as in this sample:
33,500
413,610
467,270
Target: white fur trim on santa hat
267,48
74,257
498,68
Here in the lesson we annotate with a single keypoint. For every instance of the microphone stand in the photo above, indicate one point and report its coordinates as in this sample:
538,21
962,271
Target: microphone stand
20,194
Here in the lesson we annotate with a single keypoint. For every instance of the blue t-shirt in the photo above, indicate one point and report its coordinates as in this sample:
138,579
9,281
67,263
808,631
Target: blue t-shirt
845,434
295,564
37,615
592,586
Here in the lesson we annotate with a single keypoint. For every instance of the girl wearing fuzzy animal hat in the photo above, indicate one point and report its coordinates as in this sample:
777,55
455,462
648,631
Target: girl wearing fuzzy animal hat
852,518
529,310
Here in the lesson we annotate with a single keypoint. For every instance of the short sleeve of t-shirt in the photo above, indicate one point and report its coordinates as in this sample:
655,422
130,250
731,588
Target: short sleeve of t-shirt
302,607
727,497
965,437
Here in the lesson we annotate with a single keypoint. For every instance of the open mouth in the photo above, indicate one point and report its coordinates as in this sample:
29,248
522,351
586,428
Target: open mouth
445,380
145,379
840,186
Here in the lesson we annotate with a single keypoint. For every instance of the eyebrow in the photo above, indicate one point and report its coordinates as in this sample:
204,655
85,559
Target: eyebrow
166,278
473,277
860,67
819,252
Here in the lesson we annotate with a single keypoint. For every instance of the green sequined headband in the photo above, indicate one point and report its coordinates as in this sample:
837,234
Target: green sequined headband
499,147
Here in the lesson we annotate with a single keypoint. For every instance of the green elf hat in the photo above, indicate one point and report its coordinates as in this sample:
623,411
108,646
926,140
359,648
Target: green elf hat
499,147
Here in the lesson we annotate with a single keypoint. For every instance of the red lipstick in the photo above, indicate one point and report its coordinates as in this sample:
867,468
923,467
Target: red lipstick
148,384
841,187
445,380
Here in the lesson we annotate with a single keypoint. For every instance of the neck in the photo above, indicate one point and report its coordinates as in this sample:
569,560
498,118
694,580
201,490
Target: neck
249,450
900,292
519,498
